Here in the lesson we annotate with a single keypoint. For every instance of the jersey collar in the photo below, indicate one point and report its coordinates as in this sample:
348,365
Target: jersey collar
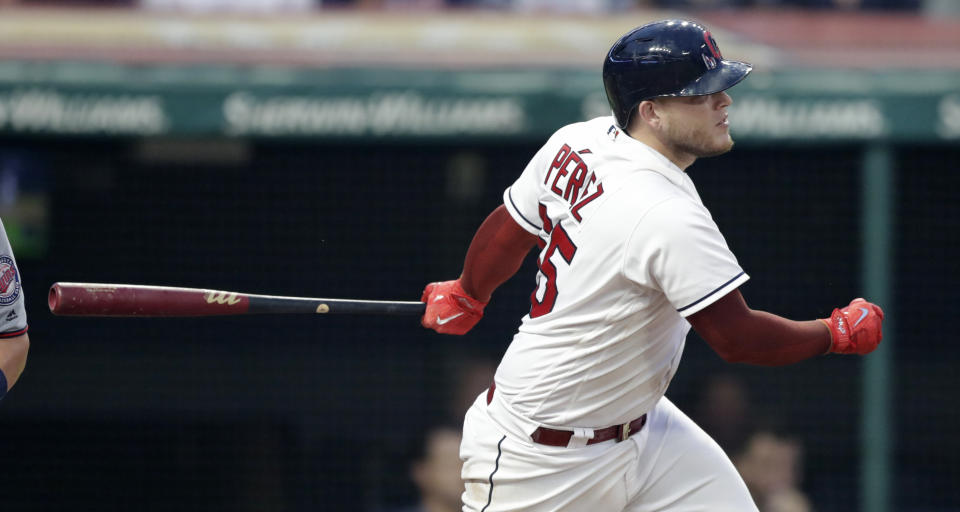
665,167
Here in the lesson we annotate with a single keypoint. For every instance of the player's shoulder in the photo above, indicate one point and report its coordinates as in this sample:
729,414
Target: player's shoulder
644,181
645,197
675,215
593,140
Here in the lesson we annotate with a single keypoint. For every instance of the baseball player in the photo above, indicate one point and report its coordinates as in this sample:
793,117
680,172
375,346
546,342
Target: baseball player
14,341
576,419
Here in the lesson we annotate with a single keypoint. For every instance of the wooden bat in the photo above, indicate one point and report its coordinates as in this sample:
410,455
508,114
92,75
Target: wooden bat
119,300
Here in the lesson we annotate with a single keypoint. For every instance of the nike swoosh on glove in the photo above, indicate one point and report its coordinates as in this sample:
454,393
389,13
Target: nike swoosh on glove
449,309
855,329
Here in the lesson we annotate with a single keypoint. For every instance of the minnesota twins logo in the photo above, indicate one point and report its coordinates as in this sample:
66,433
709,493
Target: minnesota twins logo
9,281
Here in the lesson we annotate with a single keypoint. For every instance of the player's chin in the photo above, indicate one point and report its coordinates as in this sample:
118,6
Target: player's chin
720,146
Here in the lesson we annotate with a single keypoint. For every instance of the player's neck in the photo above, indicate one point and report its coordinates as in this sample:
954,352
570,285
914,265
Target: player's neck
680,158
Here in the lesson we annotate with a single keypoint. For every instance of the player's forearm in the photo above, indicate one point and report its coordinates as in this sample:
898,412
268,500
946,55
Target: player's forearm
770,340
495,254
742,335
13,358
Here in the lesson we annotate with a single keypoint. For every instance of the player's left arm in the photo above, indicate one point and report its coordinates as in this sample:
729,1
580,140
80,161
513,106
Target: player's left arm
740,334
495,254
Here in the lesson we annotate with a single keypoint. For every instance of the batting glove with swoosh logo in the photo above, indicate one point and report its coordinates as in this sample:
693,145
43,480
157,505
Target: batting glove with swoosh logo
855,329
449,309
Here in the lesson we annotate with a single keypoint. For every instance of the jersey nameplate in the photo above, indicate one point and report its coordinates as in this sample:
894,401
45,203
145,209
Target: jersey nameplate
573,180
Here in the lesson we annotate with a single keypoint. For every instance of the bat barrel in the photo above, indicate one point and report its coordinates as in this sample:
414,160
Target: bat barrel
102,299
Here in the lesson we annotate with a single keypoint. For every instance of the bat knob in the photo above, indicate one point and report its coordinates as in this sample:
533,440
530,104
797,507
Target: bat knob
54,296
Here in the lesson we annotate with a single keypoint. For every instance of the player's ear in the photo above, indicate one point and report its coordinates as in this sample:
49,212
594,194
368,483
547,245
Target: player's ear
648,114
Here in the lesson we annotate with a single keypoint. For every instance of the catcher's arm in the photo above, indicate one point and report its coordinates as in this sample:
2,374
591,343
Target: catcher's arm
13,358
14,341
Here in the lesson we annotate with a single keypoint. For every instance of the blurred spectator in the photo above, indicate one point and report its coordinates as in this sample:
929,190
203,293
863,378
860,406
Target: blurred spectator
244,6
806,4
468,378
723,410
941,7
787,500
435,470
854,4
70,3
771,464
578,6
434,457
703,4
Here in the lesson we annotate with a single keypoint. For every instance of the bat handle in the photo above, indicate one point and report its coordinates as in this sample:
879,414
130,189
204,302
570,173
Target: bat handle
371,307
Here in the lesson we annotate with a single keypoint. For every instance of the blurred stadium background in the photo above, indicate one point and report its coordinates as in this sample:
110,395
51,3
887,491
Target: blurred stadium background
350,148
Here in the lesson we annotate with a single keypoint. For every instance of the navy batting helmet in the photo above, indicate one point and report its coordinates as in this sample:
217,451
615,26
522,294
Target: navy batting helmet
665,58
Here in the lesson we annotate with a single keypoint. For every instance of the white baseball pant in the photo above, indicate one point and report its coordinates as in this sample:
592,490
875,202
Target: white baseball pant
670,465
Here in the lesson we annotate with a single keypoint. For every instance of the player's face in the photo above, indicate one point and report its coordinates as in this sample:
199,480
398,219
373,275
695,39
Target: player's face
697,125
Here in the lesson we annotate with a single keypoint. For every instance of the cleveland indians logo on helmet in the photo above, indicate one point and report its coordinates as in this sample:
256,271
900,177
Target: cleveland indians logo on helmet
9,281
712,45
711,60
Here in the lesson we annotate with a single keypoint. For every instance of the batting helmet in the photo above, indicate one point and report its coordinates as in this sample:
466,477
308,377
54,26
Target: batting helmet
665,58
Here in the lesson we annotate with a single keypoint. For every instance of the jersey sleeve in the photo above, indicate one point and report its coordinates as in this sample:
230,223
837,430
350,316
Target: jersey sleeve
523,196
677,248
13,316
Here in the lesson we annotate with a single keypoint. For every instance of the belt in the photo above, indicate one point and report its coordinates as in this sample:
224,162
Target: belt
556,437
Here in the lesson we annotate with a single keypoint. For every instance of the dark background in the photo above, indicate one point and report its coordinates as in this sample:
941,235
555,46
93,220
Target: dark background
305,413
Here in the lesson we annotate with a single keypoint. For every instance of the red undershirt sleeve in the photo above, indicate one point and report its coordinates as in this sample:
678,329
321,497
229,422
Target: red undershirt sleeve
495,254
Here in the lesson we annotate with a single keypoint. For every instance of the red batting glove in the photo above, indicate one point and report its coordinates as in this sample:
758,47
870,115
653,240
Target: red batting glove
449,309
855,329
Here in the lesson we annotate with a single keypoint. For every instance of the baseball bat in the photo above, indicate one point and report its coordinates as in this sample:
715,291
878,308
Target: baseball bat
132,300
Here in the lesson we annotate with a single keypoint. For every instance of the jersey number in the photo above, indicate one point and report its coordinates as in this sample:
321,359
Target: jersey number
559,241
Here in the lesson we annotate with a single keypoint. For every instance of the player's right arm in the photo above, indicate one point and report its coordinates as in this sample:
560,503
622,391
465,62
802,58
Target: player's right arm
495,254
743,335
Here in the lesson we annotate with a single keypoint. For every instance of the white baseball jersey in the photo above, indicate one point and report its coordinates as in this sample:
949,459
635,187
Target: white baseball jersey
627,251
